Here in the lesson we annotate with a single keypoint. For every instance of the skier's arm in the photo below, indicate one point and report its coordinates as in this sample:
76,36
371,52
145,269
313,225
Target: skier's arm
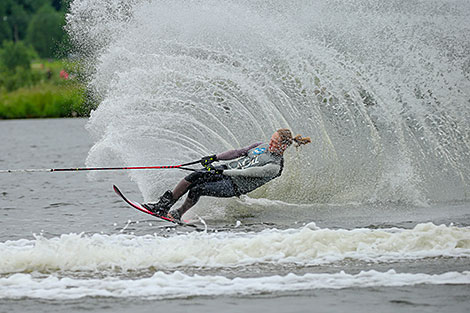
235,153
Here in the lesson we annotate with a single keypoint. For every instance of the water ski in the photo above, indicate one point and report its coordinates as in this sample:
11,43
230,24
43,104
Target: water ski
138,206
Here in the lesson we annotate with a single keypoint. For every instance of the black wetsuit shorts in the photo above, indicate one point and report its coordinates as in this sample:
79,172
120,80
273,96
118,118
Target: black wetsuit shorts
204,183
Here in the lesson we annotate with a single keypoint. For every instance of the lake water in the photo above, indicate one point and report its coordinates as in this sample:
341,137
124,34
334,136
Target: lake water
68,243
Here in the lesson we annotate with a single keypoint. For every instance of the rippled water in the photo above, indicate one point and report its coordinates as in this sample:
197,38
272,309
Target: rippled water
68,243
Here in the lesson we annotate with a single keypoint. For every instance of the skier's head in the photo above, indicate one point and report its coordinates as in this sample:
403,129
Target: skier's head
282,139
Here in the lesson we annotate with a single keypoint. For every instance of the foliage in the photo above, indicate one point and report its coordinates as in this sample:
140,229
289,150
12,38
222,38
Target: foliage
45,88
17,15
36,21
44,92
18,21
14,55
17,79
43,100
15,66
32,5
45,31
6,32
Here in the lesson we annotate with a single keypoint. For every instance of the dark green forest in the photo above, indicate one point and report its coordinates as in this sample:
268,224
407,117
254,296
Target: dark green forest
36,23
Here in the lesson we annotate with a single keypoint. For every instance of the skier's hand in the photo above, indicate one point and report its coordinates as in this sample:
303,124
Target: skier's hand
207,160
213,169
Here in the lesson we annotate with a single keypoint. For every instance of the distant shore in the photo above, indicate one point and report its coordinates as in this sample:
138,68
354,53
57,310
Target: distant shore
54,91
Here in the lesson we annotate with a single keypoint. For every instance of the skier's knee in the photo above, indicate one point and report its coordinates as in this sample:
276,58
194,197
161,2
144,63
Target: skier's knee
195,193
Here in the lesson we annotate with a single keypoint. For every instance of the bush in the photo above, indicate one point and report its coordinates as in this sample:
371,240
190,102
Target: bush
17,79
15,66
44,100
14,55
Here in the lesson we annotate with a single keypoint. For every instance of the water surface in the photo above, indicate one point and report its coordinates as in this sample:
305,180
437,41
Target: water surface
69,243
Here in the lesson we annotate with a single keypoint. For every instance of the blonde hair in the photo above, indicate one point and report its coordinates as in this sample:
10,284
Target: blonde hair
286,137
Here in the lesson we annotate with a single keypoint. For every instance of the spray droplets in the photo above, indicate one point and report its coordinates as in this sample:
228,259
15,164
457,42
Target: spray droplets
378,92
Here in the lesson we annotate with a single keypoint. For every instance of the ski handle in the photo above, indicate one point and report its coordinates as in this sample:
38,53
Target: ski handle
180,166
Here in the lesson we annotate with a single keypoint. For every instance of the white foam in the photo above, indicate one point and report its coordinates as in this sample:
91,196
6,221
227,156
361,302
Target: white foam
308,245
180,285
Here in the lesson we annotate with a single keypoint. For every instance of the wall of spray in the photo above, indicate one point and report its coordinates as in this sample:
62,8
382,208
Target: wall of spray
382,87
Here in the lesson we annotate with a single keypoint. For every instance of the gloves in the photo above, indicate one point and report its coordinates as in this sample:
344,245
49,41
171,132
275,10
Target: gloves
207,160
213,169
207,163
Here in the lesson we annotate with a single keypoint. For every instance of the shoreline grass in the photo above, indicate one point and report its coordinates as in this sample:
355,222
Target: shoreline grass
42,101
45,94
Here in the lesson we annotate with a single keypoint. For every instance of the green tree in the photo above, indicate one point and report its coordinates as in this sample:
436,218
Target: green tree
14,20
60,5
45,31
32,6
5,29
15,66
18,21
15,54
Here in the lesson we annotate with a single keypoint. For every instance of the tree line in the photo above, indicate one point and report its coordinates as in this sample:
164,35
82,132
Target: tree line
36,23
29,30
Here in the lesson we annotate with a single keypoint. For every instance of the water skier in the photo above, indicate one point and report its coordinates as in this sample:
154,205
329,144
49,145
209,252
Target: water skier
256,165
